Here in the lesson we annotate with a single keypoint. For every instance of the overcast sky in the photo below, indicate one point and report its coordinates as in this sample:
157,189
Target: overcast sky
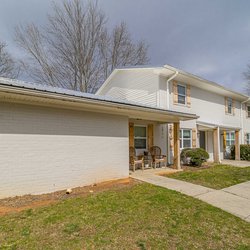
209,38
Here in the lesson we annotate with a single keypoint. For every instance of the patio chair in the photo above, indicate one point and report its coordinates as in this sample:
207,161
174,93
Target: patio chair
135,160
157,157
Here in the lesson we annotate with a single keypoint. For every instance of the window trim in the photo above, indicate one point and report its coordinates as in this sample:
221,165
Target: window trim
247,139
182,139
230,138
146,137
230,100
232,107
185,86
248,111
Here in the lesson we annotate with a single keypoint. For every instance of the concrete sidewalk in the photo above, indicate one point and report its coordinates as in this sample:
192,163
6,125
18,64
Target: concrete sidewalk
234,163
234,199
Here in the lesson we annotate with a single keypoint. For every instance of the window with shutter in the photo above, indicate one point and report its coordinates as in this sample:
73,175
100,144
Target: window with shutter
140,137
248,111
229,106
181,94
185,138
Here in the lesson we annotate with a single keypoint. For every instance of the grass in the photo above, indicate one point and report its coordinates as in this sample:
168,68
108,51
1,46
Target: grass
138,217
217,176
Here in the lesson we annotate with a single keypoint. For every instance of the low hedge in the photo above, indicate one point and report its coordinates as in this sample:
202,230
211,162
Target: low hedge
194,156
244,152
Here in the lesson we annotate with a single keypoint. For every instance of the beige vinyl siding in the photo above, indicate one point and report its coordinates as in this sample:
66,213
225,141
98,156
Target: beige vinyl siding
138,85
46,149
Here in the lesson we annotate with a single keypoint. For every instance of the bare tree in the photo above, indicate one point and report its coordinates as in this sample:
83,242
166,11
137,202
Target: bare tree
8,67
75,50
247,77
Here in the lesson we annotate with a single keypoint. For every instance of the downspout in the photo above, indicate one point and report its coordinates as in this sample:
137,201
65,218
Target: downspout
168,94
170,79
241,120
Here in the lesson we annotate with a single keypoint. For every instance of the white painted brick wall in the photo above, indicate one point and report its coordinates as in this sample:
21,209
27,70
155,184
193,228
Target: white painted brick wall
45,149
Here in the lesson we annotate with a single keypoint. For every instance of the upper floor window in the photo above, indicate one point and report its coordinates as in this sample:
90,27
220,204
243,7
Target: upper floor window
140,137
248,110
229,105
181,93
185,138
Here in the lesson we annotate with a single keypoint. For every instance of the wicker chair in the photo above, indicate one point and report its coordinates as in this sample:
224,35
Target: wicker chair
135,160
157,157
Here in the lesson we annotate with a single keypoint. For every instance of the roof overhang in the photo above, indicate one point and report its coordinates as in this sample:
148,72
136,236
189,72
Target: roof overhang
92,103
204,126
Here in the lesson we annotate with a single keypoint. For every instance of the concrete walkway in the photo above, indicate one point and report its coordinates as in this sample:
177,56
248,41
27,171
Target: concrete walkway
240,164
235,199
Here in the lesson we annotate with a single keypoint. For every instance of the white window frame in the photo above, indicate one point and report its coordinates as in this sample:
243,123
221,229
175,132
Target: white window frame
184,86
248,138
230,100
182,138
139,137
230,140
248,111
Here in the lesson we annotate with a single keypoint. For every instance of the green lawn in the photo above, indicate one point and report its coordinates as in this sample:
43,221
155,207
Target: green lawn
217,176
138,217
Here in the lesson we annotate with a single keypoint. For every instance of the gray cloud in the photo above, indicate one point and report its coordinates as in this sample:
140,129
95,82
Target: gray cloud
209,38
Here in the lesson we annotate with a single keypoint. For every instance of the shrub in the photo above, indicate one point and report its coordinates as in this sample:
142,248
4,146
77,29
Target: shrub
244,152
194,156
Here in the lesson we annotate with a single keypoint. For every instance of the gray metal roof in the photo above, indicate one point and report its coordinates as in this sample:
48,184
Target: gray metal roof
49,89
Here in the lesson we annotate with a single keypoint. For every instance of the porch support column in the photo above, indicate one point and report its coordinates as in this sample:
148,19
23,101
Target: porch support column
237,145
177,161
216,144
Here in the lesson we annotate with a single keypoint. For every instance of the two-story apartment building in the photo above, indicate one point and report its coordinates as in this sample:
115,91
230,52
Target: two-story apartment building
52,138
223,114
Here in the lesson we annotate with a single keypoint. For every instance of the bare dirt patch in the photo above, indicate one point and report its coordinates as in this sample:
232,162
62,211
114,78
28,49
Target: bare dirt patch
20,203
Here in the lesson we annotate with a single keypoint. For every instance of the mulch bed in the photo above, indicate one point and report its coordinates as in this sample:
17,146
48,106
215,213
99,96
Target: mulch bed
19,203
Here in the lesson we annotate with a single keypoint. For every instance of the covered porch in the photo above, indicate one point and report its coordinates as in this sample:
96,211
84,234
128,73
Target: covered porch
217,140
150,132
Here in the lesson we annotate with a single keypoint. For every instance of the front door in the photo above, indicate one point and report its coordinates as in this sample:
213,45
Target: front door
202,139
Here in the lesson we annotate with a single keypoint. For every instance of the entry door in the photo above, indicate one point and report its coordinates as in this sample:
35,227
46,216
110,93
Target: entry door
202,139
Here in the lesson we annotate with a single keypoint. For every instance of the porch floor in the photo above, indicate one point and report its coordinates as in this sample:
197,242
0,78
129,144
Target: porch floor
240,164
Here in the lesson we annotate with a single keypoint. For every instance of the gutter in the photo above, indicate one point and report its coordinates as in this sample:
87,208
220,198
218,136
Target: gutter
241,119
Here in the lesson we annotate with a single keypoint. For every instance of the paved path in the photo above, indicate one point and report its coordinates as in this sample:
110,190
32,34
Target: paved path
235,199
240,164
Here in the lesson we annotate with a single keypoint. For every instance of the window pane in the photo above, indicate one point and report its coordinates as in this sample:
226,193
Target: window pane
187,134
186,143
140,131
181,90
232,136
180,143
181,133
248,108
228,143
227,136
248,136
181,99
140,143
229,105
